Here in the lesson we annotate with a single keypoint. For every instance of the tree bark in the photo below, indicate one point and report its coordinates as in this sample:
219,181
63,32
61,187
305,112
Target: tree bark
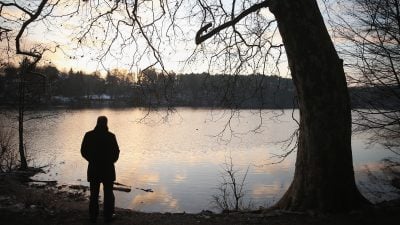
324,175
21,111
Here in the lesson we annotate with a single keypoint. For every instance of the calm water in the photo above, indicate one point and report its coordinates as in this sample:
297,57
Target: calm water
180,155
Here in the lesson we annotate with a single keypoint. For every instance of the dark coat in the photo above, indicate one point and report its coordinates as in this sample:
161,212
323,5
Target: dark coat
100,149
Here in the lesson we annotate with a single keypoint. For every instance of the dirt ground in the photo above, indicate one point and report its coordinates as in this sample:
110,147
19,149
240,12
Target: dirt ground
21,203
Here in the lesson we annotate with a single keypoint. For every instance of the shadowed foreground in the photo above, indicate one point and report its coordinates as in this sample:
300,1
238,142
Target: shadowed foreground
22,204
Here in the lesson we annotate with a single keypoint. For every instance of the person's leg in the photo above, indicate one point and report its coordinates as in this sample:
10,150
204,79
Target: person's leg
94,200
109,200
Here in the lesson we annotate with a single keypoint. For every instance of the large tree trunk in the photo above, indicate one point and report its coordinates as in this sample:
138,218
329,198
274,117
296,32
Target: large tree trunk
324,175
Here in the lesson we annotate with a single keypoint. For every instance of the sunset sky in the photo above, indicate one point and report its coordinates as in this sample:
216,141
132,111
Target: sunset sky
61,31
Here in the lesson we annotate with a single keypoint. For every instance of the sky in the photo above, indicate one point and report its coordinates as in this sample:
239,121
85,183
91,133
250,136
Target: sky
62,31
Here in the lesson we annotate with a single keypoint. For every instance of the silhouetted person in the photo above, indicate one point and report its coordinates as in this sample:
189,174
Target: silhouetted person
100,149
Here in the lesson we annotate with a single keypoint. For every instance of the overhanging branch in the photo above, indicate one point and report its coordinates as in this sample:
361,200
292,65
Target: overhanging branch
201,38
32,18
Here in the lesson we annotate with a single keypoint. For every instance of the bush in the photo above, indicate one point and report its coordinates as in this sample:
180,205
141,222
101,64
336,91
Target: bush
9,158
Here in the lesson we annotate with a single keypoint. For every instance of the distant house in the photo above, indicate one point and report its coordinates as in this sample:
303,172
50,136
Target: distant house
61,99
102,97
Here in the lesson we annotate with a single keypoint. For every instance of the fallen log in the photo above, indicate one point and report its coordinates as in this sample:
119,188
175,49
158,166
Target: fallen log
116,188
119,184
79,187
49,182
145,190
124,189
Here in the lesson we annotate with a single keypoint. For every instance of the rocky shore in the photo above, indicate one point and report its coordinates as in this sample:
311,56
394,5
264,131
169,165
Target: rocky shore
24,203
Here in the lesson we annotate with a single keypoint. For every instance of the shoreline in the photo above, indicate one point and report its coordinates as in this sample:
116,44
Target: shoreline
22,203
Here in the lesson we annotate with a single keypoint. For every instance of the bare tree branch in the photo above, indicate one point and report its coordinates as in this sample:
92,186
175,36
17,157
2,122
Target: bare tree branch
25,24
201,38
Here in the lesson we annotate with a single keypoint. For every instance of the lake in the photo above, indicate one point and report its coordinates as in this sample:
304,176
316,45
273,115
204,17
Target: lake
180,154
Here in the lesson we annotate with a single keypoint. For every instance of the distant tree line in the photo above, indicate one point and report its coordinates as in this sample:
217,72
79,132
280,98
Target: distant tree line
151,88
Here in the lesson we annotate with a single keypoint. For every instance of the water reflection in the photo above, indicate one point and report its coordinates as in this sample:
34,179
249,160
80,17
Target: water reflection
146,201
181,159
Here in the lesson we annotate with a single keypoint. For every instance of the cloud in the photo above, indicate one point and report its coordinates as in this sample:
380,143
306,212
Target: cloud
159,196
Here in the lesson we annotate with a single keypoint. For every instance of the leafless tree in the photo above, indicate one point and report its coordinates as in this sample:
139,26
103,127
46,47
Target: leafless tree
231,190
21,15
370,33
324,106
232,37
30,91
